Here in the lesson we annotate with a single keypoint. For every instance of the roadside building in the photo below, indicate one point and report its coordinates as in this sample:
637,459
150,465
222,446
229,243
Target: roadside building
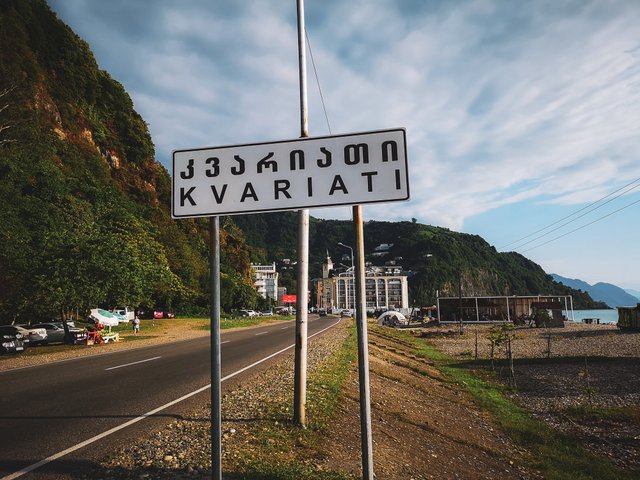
629,317
265,280
385,287
516,309
282,291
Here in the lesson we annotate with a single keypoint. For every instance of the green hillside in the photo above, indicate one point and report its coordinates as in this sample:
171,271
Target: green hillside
438,258
86,217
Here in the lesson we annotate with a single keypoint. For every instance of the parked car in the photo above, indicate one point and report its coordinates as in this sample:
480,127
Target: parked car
346,313
11,343
248,313
17,331
125,312
56,333
37,336
163,314
322,312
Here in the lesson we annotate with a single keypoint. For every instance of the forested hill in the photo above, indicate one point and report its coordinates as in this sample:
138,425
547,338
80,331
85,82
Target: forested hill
85,207
438,258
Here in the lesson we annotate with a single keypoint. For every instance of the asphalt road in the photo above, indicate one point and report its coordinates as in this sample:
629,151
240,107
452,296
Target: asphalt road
48,409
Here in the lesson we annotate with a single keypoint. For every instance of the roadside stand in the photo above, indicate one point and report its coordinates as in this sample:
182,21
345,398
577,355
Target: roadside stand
102,319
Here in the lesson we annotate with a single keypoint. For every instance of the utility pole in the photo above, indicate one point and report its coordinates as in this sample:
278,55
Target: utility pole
300,370
350,294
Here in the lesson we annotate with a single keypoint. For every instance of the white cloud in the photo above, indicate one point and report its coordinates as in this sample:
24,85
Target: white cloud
503,102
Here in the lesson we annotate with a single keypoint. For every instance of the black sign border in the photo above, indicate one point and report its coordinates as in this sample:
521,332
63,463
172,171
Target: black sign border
289,209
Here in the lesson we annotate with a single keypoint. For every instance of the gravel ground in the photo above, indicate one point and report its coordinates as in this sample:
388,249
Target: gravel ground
575,340
589,366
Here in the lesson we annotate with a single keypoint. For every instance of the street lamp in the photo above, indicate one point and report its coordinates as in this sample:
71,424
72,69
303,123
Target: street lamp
352,273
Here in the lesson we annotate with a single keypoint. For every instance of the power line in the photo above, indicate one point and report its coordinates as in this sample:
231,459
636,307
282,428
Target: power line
581,227
571,215
578,217
324,108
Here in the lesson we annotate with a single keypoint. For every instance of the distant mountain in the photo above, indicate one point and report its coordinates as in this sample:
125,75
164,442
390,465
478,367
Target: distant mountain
612,295
635,293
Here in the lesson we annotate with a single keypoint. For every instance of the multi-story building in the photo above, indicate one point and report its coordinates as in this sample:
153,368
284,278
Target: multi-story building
385,287
266,280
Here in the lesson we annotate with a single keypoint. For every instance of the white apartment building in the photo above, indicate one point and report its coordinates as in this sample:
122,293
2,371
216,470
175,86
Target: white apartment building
265,280
385,287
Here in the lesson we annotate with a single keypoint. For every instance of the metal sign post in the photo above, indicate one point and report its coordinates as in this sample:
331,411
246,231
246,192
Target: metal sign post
300,361
216,375
366,437
350,169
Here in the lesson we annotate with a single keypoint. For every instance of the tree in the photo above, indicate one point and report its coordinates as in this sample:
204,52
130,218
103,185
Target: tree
5,122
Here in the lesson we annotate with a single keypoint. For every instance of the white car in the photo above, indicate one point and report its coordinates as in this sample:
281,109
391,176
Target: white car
127,313
36,336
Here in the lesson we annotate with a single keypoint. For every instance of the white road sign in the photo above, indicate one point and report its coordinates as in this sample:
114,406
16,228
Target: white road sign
292,174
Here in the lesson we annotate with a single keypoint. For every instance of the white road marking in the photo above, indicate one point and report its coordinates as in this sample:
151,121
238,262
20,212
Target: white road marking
226,341
231,375
91,440
133,363
283,328
261,333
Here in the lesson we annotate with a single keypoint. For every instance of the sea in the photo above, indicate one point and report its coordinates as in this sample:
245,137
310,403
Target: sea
605,316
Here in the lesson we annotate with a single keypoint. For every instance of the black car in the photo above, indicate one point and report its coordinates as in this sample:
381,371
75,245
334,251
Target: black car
11,343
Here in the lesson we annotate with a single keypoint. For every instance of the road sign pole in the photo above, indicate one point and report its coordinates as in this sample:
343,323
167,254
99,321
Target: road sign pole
216,411
300,369
363,348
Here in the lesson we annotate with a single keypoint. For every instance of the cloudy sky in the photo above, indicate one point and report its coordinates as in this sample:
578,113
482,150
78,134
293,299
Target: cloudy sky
520,116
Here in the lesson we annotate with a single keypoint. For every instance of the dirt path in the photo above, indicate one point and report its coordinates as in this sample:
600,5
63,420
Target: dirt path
423,427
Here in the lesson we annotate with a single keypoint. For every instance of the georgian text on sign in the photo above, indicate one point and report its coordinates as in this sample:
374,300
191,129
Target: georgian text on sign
288,175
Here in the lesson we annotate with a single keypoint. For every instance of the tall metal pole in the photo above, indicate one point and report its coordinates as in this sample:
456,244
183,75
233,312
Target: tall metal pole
300,370
350,295
363,348
573,319
216,376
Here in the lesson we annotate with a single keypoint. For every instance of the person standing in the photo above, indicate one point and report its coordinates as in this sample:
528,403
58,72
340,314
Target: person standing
136,325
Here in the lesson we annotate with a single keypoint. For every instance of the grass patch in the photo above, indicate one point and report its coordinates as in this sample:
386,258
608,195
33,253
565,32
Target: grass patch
152,328
556,455
40,349
272,470
325,386
616,414
226,323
